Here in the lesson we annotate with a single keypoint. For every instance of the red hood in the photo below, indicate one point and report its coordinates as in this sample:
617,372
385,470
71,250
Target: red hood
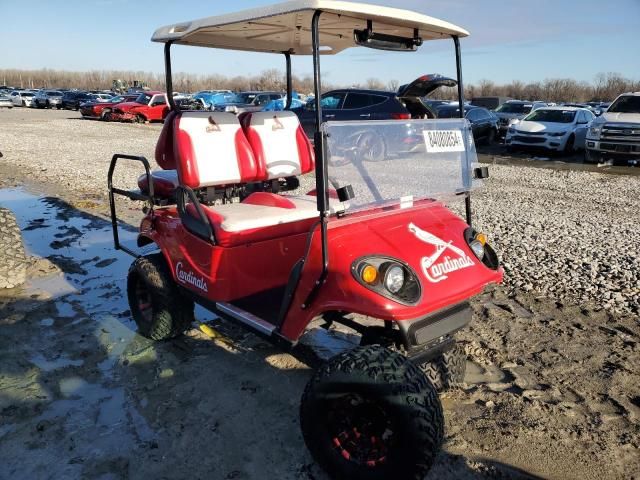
431,241
125,106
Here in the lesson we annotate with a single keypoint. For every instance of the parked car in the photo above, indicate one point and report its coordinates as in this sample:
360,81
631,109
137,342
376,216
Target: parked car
72,100
357,104
280,103
5,101
102,110
562,129
512,111
147,107
48,99
247,102
209,99
616,133
101,97
21,98
484,124
490,103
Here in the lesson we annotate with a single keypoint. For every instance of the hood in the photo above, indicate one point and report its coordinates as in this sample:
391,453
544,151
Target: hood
424,85
534,127
621,117
519,116
128,105
431,241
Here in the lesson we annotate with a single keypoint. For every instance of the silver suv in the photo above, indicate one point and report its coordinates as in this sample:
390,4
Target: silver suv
48,99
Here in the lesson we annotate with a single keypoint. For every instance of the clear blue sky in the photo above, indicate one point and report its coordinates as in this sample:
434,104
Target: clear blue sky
510,39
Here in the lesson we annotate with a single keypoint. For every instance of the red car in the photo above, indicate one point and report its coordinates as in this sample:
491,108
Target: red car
102,110
147,107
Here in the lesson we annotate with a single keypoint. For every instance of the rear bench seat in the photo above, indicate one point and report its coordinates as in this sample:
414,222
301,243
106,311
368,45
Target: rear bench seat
212,149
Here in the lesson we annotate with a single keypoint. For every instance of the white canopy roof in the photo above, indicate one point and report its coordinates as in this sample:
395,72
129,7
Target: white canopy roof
287,27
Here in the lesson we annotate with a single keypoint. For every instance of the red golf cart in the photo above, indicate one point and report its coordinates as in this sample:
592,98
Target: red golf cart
372,248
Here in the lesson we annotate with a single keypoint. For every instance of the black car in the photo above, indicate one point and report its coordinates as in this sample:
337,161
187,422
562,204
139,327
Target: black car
357,104
484,124
72,100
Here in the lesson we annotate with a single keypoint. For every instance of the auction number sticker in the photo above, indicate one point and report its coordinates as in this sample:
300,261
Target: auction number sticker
438,141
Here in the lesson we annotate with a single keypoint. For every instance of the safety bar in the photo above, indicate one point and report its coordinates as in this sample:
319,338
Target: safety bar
132,195
199,227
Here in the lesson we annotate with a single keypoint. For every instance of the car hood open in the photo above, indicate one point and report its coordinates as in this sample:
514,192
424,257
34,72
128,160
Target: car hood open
424,85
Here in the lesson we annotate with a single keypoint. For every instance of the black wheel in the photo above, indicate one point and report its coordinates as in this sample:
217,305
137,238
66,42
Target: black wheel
106,115
591,157
491,137
371,414
569,146
140,118
371,147
13,265
448,370
157,306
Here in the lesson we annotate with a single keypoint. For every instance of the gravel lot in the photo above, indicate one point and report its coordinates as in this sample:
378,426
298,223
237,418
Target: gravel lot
572,235
553,378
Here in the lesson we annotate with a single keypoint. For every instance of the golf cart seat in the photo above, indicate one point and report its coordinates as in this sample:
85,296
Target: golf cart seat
165,181
212,150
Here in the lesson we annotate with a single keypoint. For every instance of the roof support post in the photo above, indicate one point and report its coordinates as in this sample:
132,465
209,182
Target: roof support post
456,42
168,77
287,56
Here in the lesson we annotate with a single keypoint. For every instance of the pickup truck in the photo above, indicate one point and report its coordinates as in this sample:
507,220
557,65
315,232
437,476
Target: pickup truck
615,134
148,107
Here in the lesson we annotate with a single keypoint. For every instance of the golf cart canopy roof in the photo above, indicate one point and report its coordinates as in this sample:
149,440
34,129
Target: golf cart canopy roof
286,27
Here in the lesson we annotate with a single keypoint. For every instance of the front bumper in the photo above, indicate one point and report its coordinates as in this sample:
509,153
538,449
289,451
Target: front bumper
537,141
613,148
424,338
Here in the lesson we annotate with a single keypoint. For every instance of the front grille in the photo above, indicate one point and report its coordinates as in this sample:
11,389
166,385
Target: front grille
520,138
616,147
621,132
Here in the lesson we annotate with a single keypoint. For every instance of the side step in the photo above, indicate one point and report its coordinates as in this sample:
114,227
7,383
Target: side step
246,318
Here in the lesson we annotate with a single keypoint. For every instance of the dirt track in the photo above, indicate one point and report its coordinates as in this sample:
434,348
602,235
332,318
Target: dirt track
553,389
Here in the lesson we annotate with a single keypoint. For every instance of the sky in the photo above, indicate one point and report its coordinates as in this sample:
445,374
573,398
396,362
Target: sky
527,40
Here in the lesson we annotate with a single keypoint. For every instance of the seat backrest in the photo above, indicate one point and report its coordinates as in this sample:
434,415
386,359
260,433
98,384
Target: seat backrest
211,149
280,146
164,148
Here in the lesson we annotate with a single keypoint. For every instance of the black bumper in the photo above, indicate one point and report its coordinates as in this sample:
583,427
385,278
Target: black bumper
426,337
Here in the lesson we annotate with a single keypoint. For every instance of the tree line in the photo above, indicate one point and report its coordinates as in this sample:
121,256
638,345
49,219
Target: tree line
604,87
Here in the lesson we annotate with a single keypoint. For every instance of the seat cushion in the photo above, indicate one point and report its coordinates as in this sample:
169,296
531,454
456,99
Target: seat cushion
240,224
165,183
164,148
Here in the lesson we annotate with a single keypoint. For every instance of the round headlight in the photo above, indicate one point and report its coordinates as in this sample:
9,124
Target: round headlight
394,279
478,249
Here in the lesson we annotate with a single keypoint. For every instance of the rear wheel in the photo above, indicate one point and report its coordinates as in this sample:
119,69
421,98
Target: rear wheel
371,147
106,115
371,414
157,306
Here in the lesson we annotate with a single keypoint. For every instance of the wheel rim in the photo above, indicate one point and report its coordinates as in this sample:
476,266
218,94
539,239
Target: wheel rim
371,148
360,430
143,301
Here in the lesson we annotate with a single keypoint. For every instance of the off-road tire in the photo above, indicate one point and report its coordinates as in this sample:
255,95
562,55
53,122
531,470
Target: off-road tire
13,265
395,386
448,370
171,313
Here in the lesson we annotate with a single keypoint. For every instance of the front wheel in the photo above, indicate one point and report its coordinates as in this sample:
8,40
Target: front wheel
371,147
371,414
569,147
140,119
447,370
157,306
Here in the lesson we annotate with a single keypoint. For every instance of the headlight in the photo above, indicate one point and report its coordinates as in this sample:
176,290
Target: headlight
481,248
595,132
388,277
394,279
557,134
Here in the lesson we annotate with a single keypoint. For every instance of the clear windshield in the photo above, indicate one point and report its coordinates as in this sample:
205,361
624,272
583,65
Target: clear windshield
143,98
397,163
625,104
552,116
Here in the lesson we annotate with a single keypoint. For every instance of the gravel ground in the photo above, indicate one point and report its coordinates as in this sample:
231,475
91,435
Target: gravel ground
572,235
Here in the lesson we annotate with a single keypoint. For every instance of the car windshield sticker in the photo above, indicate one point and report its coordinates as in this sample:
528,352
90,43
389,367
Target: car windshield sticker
436,271
439,141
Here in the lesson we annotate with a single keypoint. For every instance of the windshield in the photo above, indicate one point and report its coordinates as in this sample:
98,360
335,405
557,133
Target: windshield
242,98
143,98
518,108
27,94
118,99
552,116
54,94
396,163
625,104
